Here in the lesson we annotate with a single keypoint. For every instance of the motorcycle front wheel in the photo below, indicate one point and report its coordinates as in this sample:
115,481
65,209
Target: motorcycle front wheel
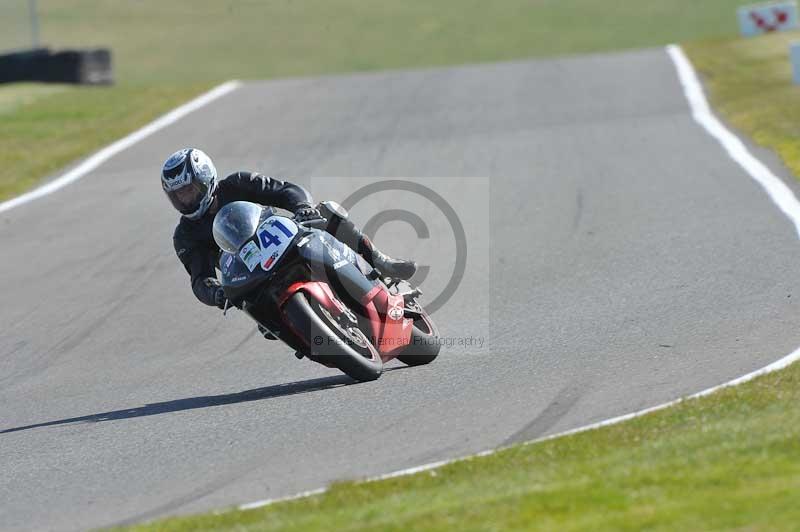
333,340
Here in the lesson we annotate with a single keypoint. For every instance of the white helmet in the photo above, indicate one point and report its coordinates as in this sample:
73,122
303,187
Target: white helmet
189,179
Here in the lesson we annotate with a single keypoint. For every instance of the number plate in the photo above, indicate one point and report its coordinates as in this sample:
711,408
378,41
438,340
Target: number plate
275,235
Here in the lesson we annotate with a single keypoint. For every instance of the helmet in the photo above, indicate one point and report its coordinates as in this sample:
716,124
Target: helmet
189,179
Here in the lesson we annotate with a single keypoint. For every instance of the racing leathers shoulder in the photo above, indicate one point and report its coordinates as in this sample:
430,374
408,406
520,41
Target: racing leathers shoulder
194,241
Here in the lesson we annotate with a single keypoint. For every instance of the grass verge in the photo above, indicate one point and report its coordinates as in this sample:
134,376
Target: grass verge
726,461
168,52
46,127
201,40
749,82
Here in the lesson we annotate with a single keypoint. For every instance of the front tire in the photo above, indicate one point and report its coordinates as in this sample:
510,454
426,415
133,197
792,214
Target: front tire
346,348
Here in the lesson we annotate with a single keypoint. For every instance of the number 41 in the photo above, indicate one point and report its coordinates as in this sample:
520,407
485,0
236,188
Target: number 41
268,239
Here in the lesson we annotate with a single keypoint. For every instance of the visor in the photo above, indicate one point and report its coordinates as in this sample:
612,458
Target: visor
187,199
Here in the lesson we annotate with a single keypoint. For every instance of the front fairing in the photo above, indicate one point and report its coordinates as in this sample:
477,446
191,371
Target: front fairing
275,243
236,279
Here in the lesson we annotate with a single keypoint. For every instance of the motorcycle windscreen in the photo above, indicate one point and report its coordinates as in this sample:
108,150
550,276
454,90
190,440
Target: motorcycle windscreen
235,224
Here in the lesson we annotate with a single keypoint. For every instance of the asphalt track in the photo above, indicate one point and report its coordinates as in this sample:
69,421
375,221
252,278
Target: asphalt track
617,259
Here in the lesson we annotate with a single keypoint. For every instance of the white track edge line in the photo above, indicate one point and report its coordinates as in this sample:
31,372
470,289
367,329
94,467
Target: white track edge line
778,192
95,160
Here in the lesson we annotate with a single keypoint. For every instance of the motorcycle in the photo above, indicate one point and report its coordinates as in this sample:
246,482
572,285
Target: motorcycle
317,295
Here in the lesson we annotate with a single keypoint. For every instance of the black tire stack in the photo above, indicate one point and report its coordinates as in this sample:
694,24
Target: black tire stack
85,67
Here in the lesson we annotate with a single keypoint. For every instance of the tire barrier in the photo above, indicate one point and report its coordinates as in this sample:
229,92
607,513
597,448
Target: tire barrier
85,67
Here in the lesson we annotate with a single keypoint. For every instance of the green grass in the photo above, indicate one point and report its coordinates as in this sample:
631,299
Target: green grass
209,41
56,127
749,82
167,52
726,461
20,94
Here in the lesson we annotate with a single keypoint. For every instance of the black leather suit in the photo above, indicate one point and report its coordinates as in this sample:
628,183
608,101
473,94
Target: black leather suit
193,239
199,253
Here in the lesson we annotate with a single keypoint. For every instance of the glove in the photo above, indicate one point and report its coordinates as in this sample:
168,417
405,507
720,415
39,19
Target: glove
306,212
219,297
210,292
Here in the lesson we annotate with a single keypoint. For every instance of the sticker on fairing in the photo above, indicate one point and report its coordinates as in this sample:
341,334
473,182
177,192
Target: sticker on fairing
275,235
250,255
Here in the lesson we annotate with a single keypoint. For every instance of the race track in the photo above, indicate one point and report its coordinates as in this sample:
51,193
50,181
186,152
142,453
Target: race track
617,259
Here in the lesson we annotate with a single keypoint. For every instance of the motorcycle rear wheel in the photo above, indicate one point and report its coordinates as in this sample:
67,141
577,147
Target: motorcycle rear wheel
346,348
424,346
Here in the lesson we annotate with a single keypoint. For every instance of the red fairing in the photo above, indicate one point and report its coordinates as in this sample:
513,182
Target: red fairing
319,291
391,329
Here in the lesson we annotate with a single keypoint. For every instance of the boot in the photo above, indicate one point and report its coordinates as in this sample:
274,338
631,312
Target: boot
389,267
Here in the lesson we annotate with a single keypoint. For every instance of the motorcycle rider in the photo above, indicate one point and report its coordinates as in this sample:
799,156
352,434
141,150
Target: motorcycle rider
189,178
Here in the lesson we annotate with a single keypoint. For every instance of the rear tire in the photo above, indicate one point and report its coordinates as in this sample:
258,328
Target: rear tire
349,350
425,345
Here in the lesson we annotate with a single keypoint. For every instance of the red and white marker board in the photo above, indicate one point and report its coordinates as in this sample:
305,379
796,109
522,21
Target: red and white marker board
758,19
